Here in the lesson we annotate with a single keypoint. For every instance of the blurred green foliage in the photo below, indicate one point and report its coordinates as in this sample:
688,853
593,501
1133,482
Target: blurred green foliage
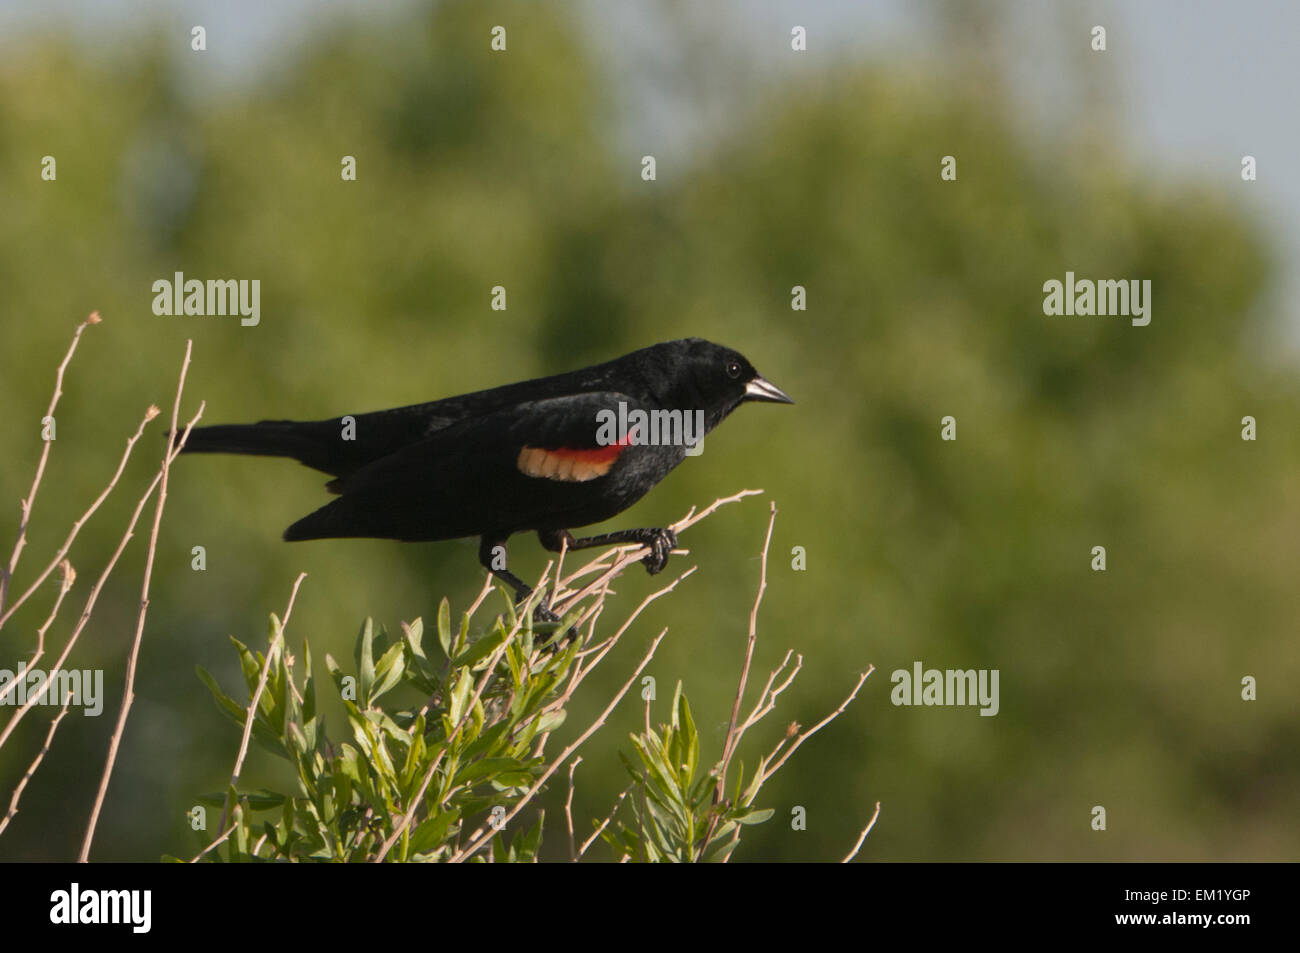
477,169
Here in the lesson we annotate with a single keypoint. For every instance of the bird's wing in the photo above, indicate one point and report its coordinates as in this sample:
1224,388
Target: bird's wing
496,471
536,435
375,435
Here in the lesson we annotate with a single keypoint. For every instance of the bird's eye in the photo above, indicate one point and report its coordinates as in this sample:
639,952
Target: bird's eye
733,369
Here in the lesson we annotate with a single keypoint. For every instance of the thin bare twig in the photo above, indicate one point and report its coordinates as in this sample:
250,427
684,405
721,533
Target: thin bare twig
215,844
54,563
568,810
763,772
693,517
93,596
65,585
729,745
277,645
767,700
862,837
580,672
604,648
626,555
30,500
31,769
69,577
128,694
618,802
482,594
766,772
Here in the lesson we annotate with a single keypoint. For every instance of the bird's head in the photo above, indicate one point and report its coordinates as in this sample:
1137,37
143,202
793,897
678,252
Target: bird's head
696,374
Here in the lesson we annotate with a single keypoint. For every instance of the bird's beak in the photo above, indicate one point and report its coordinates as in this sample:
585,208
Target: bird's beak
760,388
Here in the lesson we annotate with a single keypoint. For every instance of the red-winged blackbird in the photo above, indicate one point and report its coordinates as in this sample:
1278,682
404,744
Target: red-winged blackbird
542,455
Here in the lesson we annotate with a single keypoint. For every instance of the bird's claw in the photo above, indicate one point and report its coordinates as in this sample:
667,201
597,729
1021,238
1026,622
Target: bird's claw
662,542
543,614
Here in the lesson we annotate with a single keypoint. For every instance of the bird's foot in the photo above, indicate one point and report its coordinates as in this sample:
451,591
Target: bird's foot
661,542
543,614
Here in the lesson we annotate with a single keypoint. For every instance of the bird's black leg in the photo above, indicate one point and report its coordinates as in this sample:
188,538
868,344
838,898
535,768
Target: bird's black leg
661,543
494,562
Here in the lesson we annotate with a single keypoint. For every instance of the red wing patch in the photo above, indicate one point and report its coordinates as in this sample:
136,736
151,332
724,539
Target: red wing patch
567,464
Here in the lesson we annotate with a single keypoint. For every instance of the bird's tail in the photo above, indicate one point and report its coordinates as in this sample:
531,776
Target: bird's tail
308,443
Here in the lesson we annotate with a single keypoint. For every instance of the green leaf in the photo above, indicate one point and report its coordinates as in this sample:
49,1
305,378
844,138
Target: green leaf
250,664
259,800
414,636
751,792
477,718
262,733
462,634
308,688
484,768
388,670
721,853
459,696
433,831
513,659
297,739
551,720
514,779
722,833
348,763
480,649
690,741
488,742
224,701
415,756
444,626
531,840
365,656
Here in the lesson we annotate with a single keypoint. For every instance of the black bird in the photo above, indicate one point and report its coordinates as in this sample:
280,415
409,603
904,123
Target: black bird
543,455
